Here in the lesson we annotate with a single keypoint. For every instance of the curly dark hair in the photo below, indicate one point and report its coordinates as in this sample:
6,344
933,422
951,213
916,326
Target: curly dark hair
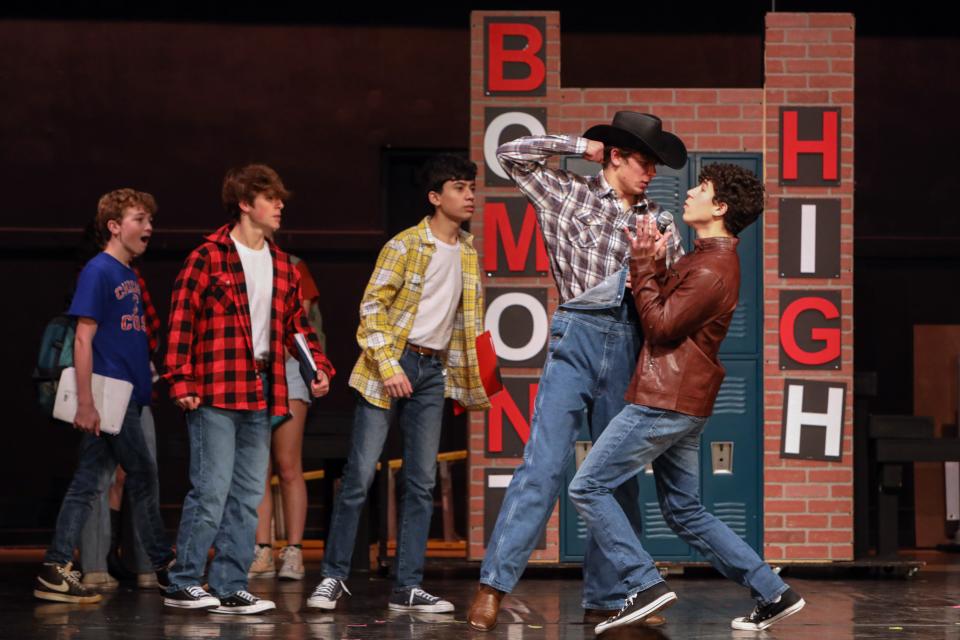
737,188
112,205
244,184
440,168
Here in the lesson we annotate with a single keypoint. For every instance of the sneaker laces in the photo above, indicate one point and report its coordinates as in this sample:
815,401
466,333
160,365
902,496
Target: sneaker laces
247,596
328,586
755,614
288,550
417,591
196,591
627,603
71,576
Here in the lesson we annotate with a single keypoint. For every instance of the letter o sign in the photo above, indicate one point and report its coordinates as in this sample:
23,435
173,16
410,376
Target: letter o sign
517,321
503,125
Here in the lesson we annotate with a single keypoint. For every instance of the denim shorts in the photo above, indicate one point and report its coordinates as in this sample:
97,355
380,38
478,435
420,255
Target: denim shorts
296,387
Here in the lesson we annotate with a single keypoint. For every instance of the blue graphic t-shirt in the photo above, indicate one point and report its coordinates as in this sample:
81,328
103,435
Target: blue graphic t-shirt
108,292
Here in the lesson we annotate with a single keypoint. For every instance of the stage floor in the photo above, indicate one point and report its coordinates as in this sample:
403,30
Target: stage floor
545,605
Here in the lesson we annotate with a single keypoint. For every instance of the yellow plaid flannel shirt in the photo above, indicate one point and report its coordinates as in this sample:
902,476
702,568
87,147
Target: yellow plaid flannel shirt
389,307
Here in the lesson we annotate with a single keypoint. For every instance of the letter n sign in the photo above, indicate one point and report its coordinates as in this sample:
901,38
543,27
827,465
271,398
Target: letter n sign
515,56
812,420
508,419
809,329
810,146
809,238
512,240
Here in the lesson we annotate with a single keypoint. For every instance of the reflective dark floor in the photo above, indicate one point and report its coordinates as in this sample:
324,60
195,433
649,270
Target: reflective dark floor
544,606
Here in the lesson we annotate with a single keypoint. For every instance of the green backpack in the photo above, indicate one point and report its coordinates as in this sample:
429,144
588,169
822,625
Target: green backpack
56,354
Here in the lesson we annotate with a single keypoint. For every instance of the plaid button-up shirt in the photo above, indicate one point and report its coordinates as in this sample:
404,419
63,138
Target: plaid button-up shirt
389,307
210,351
150,316
582,219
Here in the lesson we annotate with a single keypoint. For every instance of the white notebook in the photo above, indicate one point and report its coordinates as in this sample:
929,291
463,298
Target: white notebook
110,397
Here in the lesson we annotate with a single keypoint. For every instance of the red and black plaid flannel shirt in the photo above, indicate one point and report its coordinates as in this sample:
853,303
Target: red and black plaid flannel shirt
150,316
151,320
210,350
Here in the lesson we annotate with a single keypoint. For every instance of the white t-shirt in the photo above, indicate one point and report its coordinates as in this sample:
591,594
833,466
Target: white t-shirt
442,287
258,272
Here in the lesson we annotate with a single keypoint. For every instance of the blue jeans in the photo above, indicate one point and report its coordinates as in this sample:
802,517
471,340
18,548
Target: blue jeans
638,436
99,456
421,419
591,356
96,535
229,451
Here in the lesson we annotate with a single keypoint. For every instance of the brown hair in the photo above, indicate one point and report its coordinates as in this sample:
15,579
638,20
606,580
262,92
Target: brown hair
112,205
244,184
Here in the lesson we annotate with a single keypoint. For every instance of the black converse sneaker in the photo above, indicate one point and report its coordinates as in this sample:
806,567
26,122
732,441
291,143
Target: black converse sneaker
639,606
416,599
326,594
192,597
766,615
60,583
243,603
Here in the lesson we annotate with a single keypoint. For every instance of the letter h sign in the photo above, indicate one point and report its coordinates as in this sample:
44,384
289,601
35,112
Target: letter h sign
810,146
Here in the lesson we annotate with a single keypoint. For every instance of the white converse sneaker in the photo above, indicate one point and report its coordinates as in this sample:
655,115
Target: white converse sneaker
291,567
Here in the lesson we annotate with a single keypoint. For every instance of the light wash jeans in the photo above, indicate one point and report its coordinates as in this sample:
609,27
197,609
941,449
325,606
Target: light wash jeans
593,349
229,451
638,436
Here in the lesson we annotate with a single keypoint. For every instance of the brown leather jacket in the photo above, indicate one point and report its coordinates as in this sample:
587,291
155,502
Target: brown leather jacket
685,312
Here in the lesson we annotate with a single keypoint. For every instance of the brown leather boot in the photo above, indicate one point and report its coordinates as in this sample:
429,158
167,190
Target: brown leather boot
484,608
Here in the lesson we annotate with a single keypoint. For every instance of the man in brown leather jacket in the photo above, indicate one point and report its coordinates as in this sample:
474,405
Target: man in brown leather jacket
685,312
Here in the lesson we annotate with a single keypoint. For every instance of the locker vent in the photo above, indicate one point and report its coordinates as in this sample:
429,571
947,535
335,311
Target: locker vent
732,398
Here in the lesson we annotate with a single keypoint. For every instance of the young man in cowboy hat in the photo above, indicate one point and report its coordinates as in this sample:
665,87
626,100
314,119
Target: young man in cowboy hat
594,335
685,313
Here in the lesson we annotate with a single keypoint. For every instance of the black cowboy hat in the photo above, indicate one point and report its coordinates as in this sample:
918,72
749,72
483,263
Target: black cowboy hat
644,133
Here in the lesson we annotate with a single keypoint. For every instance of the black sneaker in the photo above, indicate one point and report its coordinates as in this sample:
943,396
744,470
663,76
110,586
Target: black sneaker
192,597
243,603
766,615
60,583
326,594
639,606
416,599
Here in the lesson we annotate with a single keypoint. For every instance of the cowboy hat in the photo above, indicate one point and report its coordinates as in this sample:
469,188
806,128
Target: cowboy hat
644,133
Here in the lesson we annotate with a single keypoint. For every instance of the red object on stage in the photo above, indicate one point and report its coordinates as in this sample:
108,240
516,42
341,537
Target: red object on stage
489,371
